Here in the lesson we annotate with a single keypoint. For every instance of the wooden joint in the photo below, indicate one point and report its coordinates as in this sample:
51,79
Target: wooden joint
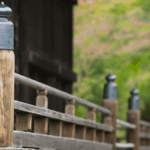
91,114
70,108
42,100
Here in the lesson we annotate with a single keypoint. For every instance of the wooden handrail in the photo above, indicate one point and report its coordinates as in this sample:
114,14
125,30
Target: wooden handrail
58,93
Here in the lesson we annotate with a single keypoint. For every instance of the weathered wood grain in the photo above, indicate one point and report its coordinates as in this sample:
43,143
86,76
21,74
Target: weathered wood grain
55,127
80,132
110,120
100,136
38,111
133,134
6,97
90,132
41,123
46,141
23,121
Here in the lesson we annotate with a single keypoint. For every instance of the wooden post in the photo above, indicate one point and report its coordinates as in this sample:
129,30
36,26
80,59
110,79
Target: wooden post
134,117
110,102
7,63
90,132
69,128
41,123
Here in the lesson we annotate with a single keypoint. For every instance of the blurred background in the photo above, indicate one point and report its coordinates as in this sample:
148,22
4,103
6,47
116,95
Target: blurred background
112,36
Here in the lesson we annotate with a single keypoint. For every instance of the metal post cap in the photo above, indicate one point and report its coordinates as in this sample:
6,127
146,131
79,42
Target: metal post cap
110,77
110,88
5,11
134,100
134,91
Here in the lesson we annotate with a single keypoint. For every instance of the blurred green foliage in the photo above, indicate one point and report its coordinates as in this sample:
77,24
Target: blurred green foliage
118,33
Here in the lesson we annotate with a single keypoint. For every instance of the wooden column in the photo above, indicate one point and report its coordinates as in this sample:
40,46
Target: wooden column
134,118
110,102
41,123
7,63
69,128
90,132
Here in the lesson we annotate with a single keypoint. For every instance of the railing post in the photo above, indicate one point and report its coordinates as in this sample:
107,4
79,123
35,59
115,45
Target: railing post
110,102
7,61
134,117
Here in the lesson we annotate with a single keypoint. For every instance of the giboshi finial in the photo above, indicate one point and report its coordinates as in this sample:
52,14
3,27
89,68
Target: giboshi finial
5,11
134,91
110,77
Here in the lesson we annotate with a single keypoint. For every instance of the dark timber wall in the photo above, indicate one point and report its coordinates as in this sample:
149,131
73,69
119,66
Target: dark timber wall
43,46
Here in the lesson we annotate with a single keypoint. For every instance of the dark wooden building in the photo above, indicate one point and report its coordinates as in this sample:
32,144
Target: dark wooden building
43,46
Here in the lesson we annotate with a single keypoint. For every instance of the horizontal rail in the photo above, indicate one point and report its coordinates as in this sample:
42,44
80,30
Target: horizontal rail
144,147
124,145
126,124
145,123
39,111
26,139
55,92
143,135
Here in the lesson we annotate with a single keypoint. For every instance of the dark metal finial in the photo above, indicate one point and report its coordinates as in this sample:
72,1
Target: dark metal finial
134,91
5,11
110,89
6,28
110,77
134,100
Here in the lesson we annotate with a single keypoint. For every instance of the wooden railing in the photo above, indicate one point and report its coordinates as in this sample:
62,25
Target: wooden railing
37,127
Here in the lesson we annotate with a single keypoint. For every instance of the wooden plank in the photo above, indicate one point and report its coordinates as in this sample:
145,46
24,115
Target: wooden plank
23,121
148,140
80,132
145,123
126,124
55,127
100,136
68,130
144,135
23,107
46,141
124,145
6,97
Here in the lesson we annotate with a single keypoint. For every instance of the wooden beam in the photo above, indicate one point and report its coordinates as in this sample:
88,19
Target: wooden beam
38,111
42,61
26,139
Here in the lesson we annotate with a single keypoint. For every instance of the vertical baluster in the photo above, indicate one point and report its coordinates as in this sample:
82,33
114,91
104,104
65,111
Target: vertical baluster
134,117
7,63
110,102
41,123
90,132
69,128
